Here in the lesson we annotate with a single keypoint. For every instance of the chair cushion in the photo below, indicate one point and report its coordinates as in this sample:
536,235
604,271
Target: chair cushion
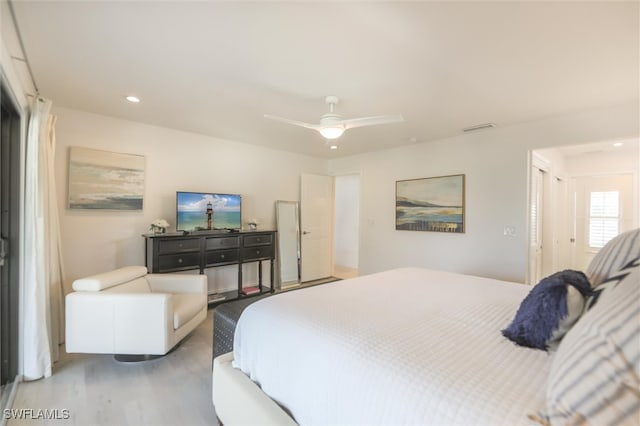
109,279
186,306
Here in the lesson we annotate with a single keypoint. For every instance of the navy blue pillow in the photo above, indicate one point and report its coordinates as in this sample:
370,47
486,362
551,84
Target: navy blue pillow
541,313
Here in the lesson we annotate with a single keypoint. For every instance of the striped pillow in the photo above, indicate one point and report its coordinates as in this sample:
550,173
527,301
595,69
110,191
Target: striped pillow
595,375
618,252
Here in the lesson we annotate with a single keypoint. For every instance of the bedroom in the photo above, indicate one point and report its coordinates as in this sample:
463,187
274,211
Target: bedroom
495,161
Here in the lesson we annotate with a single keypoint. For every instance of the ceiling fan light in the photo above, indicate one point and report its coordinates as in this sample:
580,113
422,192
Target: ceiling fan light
332,132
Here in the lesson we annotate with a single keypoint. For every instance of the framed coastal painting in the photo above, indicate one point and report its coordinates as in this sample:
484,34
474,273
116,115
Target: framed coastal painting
431,204
103,180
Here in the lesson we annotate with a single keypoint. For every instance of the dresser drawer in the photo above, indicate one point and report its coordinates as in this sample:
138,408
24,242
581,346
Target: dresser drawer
257,240
176,246
222,243
221,256
170,262
257,252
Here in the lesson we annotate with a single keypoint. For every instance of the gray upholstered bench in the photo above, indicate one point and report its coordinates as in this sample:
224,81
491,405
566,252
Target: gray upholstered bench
225,318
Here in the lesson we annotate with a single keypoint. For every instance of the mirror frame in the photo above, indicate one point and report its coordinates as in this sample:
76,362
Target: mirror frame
280,234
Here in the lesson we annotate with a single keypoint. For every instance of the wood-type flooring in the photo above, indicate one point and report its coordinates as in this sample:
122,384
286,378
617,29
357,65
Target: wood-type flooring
98,390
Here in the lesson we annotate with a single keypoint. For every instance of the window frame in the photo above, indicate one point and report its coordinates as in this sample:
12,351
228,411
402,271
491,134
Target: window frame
605,217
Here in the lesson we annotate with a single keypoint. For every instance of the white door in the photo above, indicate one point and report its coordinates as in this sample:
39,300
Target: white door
316,224
562,225
604,208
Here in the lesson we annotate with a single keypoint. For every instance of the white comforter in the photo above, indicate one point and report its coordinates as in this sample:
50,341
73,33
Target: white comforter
407,346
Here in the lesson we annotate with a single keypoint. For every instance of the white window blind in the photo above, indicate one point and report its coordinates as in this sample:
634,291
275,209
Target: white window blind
604,217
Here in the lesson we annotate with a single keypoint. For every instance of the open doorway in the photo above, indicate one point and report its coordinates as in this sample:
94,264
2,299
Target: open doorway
346,227
577,188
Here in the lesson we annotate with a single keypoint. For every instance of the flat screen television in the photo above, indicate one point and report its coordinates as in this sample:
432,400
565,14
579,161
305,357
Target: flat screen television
199,211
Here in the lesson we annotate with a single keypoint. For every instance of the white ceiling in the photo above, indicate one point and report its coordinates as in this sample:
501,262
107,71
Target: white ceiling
216,68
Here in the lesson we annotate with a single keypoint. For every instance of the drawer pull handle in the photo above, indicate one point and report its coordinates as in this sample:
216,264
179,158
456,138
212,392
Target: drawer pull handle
180,260
258,239
180,245
222,256
257,251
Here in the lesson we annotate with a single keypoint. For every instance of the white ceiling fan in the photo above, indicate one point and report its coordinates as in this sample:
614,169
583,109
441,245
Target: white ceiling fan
332,125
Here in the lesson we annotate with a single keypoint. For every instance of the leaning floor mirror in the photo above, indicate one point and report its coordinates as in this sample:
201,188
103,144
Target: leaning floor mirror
287,224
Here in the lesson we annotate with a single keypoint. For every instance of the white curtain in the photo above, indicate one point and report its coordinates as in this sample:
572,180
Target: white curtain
43,295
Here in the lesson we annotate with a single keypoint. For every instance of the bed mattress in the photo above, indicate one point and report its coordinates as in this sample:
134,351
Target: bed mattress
407,346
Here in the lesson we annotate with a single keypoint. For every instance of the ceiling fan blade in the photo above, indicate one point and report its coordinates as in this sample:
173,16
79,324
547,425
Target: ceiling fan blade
371,121
294,122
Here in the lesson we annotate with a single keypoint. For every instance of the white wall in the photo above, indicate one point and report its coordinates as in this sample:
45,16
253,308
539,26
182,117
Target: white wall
495,163
96,241
594,160
603,163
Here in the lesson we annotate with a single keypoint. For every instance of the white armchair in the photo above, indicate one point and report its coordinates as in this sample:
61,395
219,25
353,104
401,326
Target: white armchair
130,312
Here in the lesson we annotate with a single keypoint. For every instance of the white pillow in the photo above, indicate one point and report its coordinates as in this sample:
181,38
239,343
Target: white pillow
595,375
616,253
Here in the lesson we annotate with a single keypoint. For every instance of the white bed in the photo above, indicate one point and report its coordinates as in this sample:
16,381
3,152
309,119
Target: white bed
415,346
407,346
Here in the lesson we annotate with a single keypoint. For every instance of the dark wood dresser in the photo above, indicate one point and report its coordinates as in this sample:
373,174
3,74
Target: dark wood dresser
180,252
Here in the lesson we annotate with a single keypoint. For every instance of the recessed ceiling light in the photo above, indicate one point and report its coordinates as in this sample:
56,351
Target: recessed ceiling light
333,147
618,144
133,99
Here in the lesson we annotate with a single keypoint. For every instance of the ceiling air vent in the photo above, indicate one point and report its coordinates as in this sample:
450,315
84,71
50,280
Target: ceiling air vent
478,127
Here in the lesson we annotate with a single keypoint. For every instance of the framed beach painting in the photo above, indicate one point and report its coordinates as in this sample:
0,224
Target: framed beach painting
103,180
431,204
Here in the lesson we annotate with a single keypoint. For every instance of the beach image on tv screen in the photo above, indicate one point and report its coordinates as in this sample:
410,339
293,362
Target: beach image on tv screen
205,212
